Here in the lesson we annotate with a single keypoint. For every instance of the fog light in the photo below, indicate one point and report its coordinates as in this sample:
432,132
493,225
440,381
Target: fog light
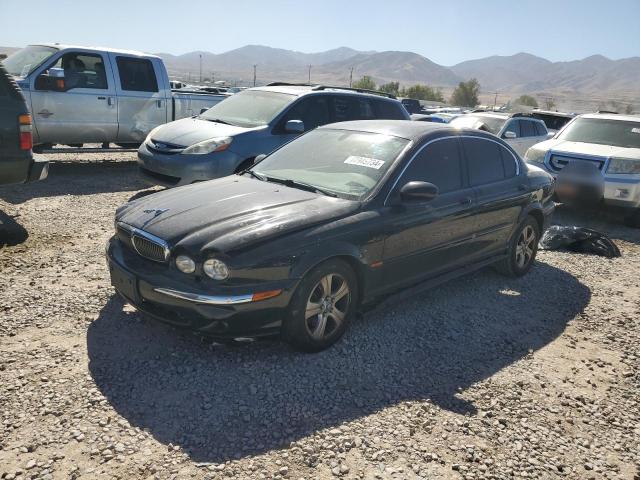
185,264
216,269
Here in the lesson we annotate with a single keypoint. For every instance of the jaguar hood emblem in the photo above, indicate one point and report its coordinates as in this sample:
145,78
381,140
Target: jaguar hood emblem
156,212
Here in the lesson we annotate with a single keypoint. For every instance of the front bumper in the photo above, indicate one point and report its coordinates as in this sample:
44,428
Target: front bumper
177,169
619,190
223,313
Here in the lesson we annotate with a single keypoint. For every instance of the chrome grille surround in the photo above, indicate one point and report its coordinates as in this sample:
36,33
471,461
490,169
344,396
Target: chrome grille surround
145,244
557,161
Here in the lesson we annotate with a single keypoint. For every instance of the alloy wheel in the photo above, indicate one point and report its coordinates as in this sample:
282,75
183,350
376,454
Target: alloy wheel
327,306
525,246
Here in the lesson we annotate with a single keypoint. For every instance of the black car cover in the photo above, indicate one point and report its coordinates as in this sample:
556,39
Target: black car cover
579,239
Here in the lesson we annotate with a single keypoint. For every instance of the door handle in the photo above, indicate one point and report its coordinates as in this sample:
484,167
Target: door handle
111,101
159,102
465,201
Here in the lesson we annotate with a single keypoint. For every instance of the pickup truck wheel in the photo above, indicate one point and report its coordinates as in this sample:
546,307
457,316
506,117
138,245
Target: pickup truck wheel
523,247
322,306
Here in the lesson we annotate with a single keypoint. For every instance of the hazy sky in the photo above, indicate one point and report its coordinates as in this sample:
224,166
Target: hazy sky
447,32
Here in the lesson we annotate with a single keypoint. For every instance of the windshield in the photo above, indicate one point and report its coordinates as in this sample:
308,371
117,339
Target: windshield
347,163
250,108
23,62
618,133
479,122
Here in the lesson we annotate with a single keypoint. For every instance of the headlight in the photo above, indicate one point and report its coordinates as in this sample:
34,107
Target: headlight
185,264
216,269
535,155
217,144
624,165
151,133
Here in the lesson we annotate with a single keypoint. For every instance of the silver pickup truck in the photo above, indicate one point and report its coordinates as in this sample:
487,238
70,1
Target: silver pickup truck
81,95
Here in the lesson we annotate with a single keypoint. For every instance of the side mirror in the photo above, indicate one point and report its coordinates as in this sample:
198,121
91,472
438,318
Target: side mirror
259,158
202,110
294,126
53,81
418,192
509,134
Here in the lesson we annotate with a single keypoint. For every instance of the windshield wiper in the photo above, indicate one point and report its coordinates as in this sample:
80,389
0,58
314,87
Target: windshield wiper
301,185
253,174
216,120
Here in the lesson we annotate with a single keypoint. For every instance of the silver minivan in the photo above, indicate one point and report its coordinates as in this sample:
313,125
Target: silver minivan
229,136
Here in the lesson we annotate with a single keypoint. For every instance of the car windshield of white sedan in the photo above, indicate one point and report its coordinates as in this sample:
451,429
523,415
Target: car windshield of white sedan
23,62
479,122
618,133
346,163
250,108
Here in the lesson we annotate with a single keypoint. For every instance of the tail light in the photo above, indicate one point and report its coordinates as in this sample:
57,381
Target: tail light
26,137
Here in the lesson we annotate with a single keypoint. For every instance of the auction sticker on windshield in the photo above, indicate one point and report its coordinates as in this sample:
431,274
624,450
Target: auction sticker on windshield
364,162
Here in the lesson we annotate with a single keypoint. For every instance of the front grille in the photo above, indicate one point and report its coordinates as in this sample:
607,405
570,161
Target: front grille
558,162
164,147
145,244
148,248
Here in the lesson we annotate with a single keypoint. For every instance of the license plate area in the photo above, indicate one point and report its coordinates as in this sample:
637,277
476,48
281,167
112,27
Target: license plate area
124,282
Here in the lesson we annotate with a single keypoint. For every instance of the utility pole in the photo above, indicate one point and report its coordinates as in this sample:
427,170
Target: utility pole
309,82
201,68
351,77
495,100
254,75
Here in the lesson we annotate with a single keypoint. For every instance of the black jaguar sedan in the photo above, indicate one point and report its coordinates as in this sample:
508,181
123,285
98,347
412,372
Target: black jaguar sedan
335,220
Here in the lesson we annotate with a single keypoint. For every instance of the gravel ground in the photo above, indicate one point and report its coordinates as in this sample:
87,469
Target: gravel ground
484,377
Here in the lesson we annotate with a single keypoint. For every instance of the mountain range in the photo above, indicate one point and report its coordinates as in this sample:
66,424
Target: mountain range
521,72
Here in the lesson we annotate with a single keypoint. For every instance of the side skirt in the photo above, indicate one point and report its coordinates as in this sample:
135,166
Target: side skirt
407,293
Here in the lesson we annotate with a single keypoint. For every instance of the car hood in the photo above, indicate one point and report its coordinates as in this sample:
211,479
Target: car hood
230,213
592,149
189,131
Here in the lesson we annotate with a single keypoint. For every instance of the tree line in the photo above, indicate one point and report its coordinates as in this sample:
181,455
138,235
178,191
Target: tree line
464,95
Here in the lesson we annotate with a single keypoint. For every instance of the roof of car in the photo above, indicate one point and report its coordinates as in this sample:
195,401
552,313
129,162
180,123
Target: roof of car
299,90
61,46
411,130
612,116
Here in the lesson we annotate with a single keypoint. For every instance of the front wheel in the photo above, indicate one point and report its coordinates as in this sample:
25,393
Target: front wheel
522,249
322,307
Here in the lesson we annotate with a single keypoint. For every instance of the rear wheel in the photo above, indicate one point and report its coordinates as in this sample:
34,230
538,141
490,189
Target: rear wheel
522,249
322,307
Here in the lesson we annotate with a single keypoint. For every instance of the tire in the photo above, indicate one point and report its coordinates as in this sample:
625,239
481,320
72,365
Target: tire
523,247
633,219
308,331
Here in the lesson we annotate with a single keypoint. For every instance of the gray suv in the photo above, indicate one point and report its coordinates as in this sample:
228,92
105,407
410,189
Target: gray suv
230,135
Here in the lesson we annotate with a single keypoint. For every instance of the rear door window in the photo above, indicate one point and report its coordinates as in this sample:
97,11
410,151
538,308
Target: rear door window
388,110
137,74
540,129
484,161
439,163
528,128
